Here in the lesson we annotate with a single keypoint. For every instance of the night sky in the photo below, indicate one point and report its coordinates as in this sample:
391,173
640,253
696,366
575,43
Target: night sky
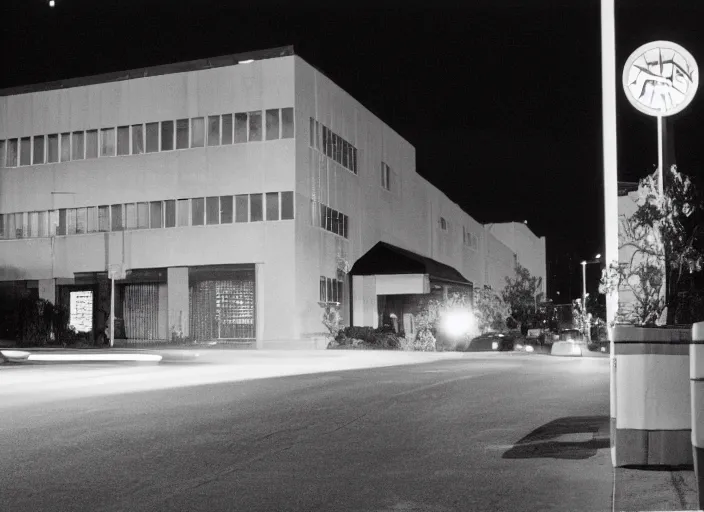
501,98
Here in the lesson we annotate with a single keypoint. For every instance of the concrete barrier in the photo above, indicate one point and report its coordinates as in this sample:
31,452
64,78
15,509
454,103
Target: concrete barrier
696,376
653,410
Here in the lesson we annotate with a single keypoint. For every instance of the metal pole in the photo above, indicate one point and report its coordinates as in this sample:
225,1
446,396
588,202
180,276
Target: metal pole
608,89
584,284
112,309
661,172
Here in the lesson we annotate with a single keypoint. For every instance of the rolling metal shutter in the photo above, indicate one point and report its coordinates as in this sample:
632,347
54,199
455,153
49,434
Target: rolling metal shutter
141,310
223,309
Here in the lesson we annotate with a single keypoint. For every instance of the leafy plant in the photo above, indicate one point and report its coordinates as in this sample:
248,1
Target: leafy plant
490,310
521,293
663,238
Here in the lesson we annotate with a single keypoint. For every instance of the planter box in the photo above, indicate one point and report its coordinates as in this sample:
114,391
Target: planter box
652,396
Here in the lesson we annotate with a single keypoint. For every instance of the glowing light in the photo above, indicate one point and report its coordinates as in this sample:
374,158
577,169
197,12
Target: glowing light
529,349
95,357
247,61
519,346
494,345
51,3
458,322
15,354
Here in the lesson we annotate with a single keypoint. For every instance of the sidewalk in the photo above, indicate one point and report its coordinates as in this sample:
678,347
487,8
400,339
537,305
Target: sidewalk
646,490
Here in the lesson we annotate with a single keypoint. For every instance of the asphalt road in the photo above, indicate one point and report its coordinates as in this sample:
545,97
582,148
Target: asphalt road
507,433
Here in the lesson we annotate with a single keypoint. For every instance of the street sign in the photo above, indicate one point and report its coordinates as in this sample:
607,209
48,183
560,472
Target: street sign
116,271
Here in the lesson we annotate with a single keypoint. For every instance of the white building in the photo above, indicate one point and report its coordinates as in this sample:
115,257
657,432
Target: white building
228,190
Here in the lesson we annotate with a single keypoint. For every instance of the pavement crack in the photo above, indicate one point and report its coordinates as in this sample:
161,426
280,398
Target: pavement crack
346,424
678,483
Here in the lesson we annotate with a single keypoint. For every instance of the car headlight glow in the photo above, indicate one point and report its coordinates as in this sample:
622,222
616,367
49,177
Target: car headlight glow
529,348
494,345
519,346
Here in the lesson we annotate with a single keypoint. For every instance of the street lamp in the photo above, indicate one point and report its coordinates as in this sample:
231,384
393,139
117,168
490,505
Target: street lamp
584,263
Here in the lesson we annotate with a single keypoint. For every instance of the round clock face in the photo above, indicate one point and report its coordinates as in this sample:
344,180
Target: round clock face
660,78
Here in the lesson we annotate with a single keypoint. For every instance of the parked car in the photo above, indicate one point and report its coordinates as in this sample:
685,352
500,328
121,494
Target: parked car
492,341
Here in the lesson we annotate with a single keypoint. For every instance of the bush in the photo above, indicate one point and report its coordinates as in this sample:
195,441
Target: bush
38,322
369,337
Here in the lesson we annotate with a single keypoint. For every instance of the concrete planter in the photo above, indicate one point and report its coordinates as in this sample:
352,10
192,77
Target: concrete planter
651,396
696,375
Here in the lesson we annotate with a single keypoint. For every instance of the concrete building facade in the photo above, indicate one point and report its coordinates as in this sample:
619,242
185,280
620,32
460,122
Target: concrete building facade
227,195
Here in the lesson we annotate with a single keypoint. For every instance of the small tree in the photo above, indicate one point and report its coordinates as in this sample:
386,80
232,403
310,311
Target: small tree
490,310
664,238
522,293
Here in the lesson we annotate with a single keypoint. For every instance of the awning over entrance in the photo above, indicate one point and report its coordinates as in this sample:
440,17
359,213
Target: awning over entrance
387,259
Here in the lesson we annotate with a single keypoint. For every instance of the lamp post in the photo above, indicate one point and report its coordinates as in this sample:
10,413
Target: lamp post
584,263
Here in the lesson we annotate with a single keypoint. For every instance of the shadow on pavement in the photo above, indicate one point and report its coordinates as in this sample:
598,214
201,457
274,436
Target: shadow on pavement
574,437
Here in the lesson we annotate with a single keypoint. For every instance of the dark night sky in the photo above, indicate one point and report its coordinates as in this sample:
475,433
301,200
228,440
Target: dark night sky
501,98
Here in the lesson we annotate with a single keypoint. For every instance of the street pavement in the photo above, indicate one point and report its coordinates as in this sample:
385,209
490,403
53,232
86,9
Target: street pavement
462,432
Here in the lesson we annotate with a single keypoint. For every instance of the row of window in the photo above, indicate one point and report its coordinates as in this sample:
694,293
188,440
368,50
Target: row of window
198,211
469,239
136,139
330,290
332,145
331,220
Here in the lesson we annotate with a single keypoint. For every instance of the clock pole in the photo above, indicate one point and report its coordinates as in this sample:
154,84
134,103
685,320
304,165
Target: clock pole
661,173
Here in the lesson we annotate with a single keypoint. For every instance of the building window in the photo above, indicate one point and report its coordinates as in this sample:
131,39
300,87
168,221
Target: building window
170,213
81,221
33,224
130,216
65,147
137,139
38,150
329,287
323,289
255,126
182,218
241,127
92,224
287,131
12,153
182,133
107,142
443,224
78,149
255,208
26,151
227,129
272,124
167,135
142,215
43,222
213,130
152,137
242,208
103,218
385,176
197,132
71,221
198,211
123,140
92,144
272,206
52,148
155,215
226,209
2,153
212,210
116,217
286,205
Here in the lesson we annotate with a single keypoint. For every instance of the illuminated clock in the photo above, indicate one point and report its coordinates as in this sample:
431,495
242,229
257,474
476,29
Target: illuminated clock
660,78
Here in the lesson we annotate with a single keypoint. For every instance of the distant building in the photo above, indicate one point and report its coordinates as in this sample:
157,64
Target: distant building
229,195
528,248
